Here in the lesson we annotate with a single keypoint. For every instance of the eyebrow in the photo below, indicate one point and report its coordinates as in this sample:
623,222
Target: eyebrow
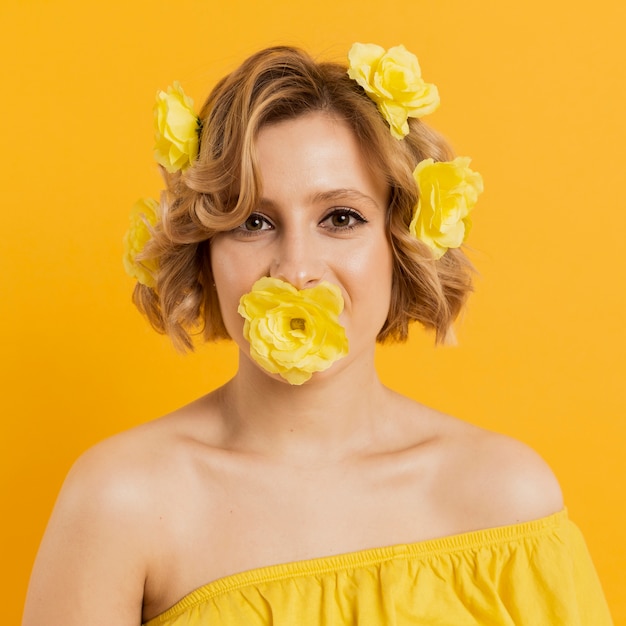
343,194
332,195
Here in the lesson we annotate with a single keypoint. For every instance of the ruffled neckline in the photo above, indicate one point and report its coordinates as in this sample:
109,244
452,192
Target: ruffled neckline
462,542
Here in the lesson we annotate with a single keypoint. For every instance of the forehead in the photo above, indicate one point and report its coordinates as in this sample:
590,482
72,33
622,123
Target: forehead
317,151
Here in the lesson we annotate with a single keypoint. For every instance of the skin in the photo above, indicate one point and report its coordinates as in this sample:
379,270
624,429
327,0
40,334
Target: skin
259,472
318,220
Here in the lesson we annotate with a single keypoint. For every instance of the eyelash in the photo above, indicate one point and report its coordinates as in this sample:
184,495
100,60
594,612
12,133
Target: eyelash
242,230
350,213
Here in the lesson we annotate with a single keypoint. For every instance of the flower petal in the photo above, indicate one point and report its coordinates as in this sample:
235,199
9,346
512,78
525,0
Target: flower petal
176,129
393,79
293,332
448,191
143,216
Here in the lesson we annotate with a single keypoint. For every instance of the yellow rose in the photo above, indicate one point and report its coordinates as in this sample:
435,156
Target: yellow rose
143,215
448,191
393,80
293,332
176,131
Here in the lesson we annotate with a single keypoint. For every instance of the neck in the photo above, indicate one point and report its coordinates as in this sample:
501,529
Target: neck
331,416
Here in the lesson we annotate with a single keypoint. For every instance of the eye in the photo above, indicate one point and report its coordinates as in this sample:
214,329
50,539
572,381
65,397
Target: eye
343,219
255,223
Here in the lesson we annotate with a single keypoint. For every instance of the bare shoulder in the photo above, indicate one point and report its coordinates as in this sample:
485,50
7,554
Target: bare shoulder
499,480
480,479
106,527
137,471
117,472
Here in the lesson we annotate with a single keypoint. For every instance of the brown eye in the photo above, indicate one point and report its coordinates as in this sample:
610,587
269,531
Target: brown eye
255,223
343,219
340,219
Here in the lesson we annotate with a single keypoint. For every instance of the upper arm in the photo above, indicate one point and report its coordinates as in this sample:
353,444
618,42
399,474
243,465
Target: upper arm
91,565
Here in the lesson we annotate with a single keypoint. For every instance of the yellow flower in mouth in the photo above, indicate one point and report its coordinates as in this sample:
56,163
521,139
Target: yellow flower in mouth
293,332
176,129
143,215
448,191
393,80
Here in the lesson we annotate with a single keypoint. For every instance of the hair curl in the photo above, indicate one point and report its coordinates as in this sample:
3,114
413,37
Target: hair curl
220,190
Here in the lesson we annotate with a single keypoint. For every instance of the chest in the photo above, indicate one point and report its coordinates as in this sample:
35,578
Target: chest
238,519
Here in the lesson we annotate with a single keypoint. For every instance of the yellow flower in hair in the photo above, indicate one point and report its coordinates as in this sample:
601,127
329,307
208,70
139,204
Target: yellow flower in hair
393,80
176,131
448,191
143,215
293,332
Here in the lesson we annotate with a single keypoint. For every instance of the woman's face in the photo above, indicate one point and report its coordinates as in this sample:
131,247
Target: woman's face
321,218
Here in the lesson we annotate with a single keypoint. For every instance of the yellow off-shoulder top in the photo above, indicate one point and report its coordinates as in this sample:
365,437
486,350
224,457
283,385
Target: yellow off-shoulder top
535,573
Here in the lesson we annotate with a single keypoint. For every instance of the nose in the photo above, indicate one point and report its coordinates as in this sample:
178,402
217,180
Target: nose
298,259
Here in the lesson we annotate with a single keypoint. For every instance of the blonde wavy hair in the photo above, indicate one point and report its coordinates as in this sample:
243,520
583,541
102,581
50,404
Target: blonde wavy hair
221,188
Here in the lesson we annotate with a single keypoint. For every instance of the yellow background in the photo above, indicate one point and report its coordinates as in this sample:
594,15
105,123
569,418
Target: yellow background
534,91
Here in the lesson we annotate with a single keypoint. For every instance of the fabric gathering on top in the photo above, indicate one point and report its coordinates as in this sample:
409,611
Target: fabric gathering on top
529,574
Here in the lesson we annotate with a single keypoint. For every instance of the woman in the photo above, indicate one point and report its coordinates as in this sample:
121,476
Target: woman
316,216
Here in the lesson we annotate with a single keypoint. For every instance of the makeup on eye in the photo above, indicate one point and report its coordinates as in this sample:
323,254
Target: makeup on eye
342,219
336,220
255,222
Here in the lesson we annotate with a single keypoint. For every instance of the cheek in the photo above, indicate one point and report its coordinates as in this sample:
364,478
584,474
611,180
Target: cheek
229,270
373,262
369,272
217,257
227,276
